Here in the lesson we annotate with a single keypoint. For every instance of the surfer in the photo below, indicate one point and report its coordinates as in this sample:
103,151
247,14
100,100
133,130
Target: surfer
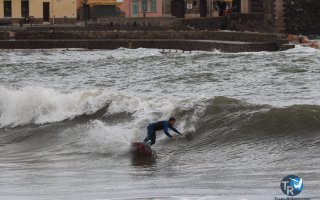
161,125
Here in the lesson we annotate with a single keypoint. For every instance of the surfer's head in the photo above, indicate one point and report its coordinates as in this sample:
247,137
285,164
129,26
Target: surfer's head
172,120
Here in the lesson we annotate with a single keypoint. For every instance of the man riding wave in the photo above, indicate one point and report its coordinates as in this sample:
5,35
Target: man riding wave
161,125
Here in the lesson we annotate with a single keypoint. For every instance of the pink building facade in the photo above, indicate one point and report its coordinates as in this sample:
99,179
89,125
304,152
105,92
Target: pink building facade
141,8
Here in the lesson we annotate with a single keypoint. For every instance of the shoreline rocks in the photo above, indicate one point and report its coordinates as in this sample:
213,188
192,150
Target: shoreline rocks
304,41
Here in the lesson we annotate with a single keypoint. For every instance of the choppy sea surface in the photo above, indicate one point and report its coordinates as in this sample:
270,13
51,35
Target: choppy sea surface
68,117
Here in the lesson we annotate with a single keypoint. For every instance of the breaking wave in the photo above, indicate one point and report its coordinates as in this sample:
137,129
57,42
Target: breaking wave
114,120
38,105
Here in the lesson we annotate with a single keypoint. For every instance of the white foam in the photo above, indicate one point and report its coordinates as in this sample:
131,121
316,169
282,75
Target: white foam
108,139
42,105
303,50
38,105
72,55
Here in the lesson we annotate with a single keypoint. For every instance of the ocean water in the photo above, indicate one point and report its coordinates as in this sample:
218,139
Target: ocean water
68,117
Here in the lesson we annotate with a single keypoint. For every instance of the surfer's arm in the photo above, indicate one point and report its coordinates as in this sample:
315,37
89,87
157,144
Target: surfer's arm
166,131
175,130
168,134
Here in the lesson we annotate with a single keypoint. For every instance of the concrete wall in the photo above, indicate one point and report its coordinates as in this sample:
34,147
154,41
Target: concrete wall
285,16
184,40
29,34
248,22
302,16
64,8
185,45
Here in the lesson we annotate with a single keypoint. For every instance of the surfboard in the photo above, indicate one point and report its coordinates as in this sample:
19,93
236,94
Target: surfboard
140,148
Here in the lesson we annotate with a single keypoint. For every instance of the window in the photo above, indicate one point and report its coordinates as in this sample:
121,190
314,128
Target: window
24,8
144,5
7,8
153,5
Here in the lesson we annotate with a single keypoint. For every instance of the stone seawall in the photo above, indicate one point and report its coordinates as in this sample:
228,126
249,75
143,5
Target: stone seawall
235,22
185,45
302,16
227,41
186,35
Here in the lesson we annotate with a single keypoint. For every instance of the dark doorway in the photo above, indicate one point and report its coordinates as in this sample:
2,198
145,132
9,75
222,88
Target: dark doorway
203,8
46,11
178,8
104,11
236,6
256,6
85,12
25,8
7,5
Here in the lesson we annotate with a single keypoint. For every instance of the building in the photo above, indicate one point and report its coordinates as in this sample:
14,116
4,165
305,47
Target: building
209,8
166,8
50,11
252,6
79,3
92,9
194,8
142,8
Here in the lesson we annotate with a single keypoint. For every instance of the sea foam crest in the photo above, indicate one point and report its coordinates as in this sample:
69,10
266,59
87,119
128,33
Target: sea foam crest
42,105
38,105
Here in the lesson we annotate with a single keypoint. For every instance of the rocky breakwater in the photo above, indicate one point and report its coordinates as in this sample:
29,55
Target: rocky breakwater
304,41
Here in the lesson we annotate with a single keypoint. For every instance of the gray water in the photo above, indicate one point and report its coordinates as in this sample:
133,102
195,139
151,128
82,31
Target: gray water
67,118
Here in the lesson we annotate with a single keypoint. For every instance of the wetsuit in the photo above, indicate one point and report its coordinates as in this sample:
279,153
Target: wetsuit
162,125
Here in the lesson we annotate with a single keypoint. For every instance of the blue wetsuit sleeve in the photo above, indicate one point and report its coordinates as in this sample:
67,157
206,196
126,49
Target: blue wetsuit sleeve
175,130
165,129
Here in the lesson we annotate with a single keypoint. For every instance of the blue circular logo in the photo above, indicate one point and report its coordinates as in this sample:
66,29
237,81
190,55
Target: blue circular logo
291,185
